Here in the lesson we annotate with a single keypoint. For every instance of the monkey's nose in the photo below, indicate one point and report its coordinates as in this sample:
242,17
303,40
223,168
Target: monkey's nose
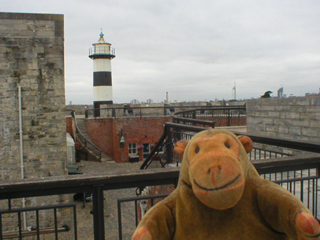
215,172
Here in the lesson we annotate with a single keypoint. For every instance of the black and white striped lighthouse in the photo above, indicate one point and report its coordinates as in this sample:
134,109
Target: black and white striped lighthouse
102,53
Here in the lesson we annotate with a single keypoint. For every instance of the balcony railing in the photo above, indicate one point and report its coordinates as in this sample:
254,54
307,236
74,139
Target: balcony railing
264,147
222,116
299,174
37,230
100,50
214,115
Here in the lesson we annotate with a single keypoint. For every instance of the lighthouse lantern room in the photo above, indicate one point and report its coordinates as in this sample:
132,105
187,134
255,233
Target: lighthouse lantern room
102,53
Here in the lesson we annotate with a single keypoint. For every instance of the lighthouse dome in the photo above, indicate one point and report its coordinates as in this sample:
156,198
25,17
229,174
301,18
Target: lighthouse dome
102,49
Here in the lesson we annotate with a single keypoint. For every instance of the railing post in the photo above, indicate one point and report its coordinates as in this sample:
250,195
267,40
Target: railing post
169,148
74,223
98,212
228,117
96,112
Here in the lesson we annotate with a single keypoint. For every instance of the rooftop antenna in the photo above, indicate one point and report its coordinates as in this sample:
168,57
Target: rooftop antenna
234,91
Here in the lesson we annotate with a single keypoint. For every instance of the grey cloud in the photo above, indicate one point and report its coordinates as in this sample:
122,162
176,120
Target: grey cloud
195,50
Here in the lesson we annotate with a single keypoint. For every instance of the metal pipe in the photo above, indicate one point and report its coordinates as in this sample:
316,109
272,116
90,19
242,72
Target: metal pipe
21,153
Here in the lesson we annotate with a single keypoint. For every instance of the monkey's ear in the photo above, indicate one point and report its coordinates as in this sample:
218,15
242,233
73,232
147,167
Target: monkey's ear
246,142
180,146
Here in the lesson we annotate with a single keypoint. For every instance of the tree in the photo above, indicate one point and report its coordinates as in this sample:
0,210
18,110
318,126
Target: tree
266,94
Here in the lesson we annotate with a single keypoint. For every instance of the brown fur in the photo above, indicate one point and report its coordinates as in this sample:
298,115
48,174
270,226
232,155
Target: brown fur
220,196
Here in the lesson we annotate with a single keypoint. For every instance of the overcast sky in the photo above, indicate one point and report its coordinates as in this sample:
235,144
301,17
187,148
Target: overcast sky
194,50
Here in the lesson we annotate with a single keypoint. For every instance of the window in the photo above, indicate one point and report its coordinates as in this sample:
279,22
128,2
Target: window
133,148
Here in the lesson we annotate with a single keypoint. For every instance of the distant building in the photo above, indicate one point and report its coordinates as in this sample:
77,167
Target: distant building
135,101
313,94
280,92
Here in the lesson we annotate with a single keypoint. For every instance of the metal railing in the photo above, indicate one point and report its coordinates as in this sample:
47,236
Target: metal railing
173,132
38,230
87,143
96,185
259,153
136,200
138,112
222,116
308,184
299,174
163,150
99,50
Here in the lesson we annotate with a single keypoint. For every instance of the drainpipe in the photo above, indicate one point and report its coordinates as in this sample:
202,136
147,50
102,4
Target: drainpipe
21,154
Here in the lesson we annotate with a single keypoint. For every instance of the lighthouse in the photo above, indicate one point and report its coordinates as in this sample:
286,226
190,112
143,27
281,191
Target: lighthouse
102,53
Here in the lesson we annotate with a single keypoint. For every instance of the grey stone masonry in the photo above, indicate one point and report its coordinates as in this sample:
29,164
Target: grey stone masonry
32,56
294,117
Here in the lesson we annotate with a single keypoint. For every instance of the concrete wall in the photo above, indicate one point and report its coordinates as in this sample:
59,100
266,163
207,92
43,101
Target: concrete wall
296,117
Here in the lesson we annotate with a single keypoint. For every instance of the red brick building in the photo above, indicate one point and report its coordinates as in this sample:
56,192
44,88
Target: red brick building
131,137
139,135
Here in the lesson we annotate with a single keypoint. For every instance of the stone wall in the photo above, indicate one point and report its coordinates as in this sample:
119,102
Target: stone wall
32,57
295,117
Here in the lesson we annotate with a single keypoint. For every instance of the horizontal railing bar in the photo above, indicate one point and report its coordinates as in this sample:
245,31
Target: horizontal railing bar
46,207
132,178
27,233
191,108
86,183
272,151
289,180
121,200
211,108
186,127
191,120
283,142
308,161
180,108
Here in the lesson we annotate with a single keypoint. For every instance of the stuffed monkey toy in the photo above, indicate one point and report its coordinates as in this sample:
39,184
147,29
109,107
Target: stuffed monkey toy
220,196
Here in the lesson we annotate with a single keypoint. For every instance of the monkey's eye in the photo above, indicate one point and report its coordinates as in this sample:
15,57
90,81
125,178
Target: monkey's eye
227,145
197,149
